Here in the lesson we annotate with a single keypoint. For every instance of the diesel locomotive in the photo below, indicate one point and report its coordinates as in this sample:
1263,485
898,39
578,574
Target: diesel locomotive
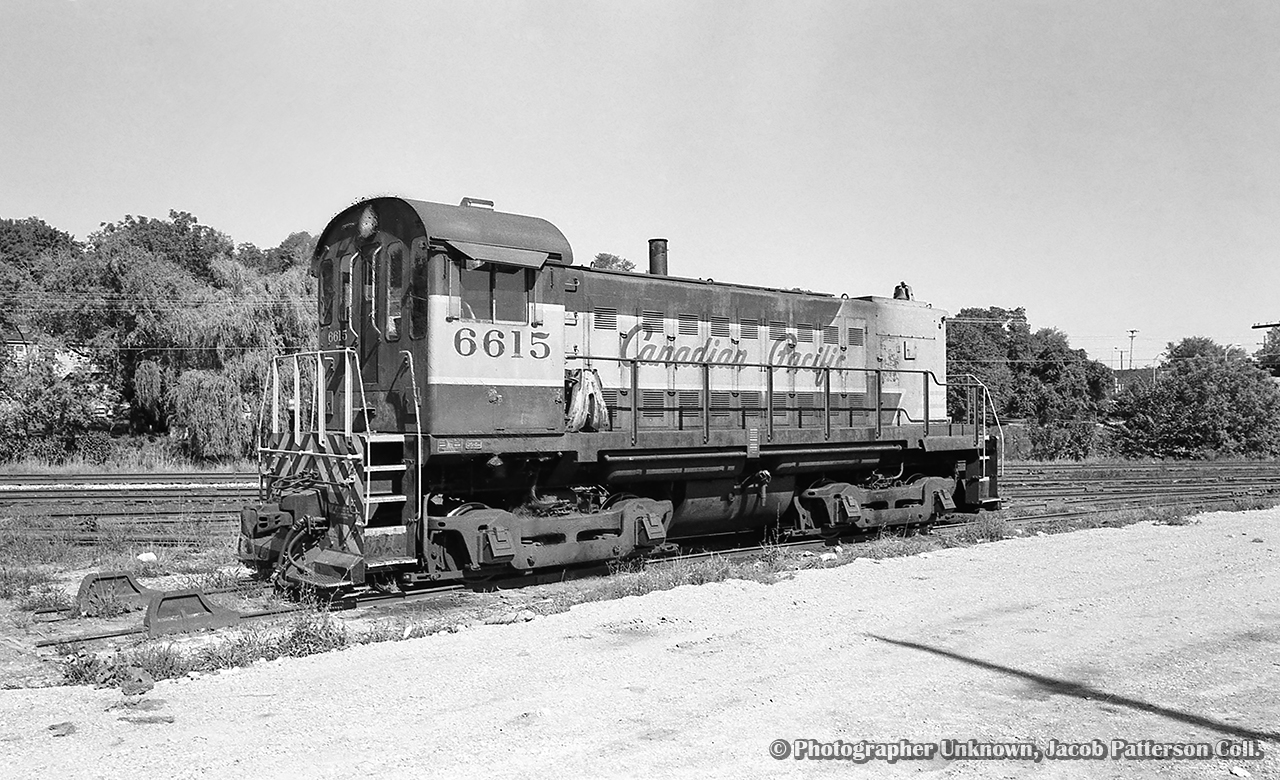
481,406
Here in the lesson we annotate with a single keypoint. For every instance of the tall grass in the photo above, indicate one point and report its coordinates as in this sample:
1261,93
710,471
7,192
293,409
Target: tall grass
130,454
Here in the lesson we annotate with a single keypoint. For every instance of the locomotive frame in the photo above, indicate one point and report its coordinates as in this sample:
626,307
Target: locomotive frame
480,406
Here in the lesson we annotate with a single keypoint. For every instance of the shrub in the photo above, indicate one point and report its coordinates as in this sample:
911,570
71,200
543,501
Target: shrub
46,450
94,447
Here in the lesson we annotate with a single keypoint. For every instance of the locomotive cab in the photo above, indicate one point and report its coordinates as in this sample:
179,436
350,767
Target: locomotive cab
434,320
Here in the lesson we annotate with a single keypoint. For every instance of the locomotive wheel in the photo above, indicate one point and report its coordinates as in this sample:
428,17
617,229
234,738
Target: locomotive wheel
615,499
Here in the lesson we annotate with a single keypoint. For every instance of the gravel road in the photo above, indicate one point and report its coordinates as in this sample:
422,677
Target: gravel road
1165,633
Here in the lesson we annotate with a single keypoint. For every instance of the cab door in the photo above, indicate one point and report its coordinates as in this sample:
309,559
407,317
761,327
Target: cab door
497,348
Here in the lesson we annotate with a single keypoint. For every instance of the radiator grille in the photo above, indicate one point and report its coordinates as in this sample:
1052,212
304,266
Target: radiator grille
605,318
688,324
652,321
653,402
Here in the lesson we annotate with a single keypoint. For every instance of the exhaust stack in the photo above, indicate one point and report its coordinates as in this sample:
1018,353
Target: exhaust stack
658,256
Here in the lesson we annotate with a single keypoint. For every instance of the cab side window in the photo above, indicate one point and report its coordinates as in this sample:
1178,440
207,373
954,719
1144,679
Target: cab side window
493,293
474,291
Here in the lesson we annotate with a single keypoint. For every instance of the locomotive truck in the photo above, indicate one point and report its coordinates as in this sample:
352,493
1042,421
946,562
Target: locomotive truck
480,406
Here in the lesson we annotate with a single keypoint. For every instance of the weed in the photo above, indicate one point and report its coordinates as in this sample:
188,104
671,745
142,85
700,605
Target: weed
240,649
44,597
986,528
83,667
161,661
18,548
894,547
204,579
313,631
17,581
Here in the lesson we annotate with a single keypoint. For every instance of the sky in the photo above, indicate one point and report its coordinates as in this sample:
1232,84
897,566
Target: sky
1107,165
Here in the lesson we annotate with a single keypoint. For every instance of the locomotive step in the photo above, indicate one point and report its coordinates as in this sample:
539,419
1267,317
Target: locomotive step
378,467
375,438
389,498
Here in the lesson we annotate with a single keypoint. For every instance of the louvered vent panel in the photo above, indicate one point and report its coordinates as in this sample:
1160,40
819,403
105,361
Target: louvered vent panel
651,321
804,333
721,400
610,398
750,329
605,318
720,327
690,399
777,330
751,399
830,335
805,400
856,337
688,324
652,402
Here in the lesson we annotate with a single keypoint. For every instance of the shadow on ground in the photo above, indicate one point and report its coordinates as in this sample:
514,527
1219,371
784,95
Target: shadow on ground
1053,685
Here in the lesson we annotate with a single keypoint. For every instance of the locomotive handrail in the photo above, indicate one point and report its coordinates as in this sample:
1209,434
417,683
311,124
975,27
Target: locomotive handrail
347,297
928,377
373,293
991,404
417,463
351,366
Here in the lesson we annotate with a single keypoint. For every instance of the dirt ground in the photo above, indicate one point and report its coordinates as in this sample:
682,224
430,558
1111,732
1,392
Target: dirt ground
1165,633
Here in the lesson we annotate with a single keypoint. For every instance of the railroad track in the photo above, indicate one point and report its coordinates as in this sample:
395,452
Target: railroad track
91,506
374,600
191,509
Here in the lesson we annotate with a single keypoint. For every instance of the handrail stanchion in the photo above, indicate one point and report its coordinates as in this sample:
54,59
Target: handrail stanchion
879,404
347,401
925,376
320,399
635,401
826,402
417,462
275,396
706,403
769,398
297,398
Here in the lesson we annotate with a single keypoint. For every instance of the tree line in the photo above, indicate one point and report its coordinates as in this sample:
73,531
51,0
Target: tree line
177,325
1204,400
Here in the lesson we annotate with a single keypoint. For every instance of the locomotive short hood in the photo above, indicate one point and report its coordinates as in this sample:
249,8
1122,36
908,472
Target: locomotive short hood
473,225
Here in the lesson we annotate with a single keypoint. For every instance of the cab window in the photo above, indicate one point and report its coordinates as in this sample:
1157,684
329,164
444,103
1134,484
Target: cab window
493,293
395,290
418,292
326,289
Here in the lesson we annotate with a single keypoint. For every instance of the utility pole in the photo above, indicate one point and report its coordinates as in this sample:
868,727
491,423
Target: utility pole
1132,332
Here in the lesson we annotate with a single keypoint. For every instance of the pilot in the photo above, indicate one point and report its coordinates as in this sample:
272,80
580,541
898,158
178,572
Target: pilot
902,292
